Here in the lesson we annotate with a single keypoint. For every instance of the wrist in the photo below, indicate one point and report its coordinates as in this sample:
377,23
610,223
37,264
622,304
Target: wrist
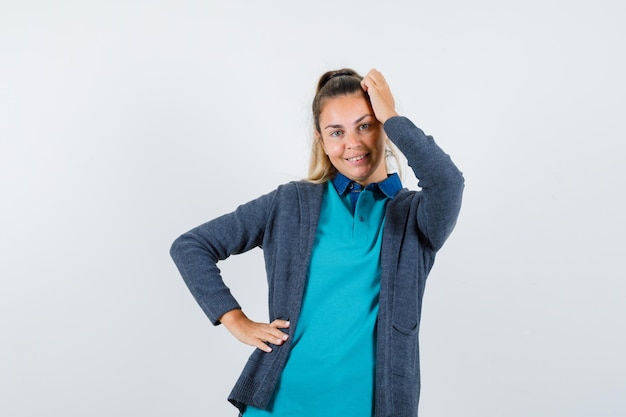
232,316
388,116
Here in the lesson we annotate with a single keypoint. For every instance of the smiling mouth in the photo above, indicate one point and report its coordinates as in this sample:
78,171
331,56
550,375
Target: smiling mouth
356,158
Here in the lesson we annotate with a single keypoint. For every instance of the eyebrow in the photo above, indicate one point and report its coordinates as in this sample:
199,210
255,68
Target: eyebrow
357,121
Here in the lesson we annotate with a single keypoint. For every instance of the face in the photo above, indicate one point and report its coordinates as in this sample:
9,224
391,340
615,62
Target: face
352,138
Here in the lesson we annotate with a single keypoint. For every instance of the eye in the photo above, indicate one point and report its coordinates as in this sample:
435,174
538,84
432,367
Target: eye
335,134
364,126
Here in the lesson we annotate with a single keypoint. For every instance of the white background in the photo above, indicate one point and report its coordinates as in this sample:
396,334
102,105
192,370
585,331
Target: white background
125,123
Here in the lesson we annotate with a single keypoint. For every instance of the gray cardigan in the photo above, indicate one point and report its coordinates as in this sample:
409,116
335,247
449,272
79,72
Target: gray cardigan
283,223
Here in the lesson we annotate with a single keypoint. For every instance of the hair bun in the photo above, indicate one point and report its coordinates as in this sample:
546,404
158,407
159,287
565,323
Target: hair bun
324,79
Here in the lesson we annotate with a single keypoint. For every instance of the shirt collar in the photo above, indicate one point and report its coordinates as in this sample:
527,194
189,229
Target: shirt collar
389,186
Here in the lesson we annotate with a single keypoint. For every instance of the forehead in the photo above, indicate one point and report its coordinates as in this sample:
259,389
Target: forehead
345,107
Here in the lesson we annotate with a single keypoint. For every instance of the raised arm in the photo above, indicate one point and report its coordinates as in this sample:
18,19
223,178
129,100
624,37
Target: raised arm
441,181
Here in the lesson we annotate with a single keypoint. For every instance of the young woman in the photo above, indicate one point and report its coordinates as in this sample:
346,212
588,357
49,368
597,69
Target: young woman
347,253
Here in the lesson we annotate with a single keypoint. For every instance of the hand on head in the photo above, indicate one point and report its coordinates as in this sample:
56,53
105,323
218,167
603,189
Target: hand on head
380,95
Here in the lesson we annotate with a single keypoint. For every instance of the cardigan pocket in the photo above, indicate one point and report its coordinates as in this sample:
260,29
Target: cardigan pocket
404,342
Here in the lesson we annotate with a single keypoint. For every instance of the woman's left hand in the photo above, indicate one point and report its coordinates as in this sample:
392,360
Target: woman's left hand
383,104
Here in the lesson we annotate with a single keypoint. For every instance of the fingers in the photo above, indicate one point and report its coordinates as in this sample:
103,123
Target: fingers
274,334
380,95
373,78
256,334
259,344
279,324
374,81
263,333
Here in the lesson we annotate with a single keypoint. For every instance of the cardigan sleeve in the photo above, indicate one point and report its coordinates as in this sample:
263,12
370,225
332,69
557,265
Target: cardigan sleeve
197,252
440,180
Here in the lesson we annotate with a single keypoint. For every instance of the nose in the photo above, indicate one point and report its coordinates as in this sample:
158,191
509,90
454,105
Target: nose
352,140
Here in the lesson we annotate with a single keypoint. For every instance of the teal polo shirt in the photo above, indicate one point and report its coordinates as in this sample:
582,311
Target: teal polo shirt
331,368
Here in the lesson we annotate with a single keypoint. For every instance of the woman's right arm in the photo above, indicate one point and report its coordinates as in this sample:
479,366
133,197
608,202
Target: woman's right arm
196,254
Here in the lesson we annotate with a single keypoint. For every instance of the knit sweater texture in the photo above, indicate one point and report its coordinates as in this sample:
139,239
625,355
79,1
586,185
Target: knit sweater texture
284,223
